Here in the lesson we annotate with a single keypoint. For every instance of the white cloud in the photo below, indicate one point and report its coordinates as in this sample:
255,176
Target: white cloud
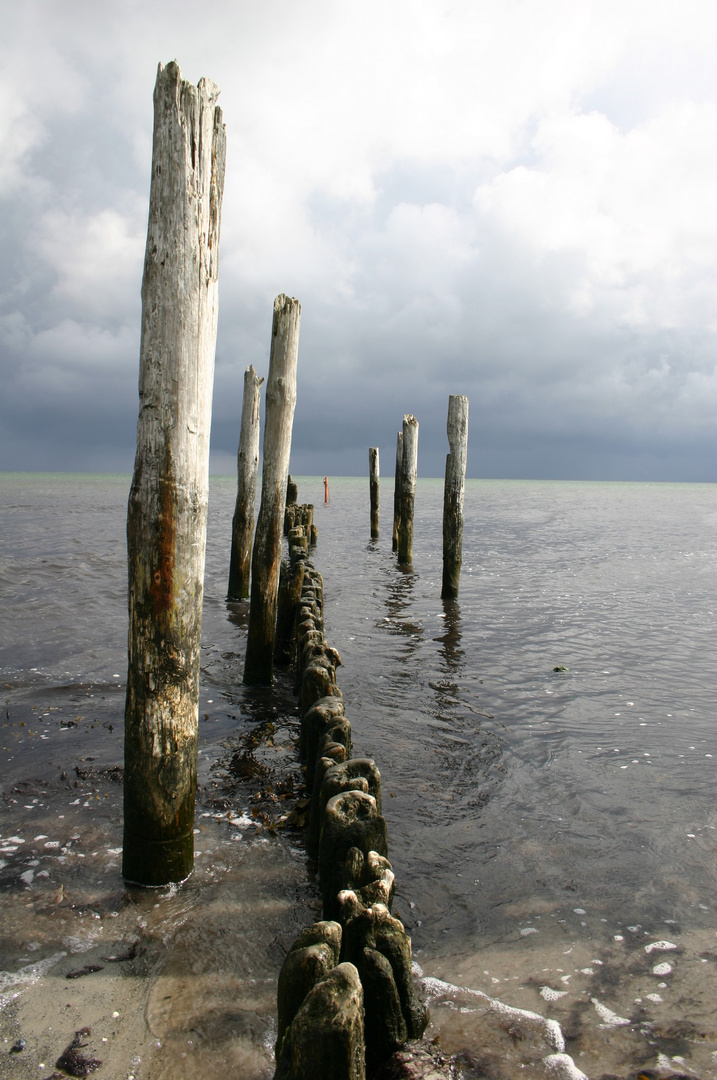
37,84
96,260
633,209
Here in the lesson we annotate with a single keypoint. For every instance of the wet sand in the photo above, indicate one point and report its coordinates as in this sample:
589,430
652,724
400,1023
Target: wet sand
186,982
619,1005
179,982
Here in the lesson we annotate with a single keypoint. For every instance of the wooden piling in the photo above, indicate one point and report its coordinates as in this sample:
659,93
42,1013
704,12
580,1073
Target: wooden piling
397,490
291,580
407,487
266,557
247,466
453,493
373,489
167,511
347,831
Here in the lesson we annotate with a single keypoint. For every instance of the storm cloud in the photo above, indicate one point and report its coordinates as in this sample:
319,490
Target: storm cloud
514,202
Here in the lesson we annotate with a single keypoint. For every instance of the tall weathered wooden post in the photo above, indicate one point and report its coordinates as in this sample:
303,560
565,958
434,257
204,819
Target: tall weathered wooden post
453,493
373,489
397,490
247,465
167,512
266,557
409,468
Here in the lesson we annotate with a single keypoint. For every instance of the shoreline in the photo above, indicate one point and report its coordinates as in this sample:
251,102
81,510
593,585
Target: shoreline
186,976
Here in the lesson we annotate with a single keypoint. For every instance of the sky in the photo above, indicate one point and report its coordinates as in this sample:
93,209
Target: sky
515,201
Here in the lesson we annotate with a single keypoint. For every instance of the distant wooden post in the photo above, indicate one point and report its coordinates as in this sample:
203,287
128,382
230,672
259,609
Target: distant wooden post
167,512
397,490
409,467
247,465
266,557
453,493
373,489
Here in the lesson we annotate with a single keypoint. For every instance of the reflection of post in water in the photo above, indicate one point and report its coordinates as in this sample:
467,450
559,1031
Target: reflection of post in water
399,581
450,640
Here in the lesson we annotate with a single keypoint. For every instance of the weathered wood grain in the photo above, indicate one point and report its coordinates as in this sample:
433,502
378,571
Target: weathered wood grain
453,494
247,467
397,490
166,518
409,468
266,556
373,469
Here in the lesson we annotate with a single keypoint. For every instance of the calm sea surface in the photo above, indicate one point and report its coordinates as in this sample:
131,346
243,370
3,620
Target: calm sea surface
553,832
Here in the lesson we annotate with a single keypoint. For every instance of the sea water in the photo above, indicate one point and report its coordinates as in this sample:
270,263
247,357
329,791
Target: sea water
547,745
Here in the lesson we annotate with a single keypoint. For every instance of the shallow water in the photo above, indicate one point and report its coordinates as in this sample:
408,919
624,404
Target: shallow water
546,828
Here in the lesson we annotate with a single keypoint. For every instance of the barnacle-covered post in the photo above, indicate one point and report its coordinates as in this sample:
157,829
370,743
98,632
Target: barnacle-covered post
266,556
167,511
453,493
247,466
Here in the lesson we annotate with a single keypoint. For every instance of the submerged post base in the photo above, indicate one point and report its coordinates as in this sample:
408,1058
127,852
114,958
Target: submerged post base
153,863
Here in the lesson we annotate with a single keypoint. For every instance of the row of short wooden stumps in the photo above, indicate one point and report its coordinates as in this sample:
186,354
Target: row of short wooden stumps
346,999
